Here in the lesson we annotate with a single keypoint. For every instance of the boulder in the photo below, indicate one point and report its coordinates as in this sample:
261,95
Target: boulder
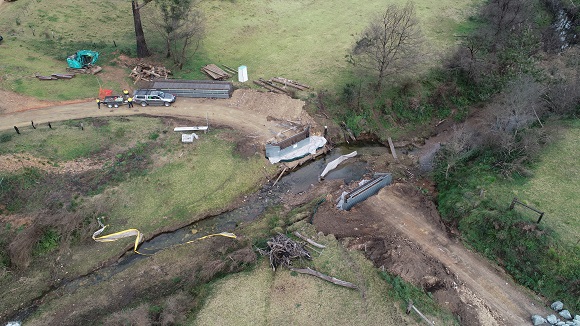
565,314
577,317
552,319
538,320
558,305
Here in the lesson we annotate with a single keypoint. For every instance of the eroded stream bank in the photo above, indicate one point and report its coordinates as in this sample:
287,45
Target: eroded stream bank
295,182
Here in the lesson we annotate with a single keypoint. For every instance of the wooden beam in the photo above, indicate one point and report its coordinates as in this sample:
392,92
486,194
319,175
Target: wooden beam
392,146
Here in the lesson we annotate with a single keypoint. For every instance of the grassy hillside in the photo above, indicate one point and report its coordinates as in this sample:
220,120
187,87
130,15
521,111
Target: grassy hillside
552,188
301,40
264,297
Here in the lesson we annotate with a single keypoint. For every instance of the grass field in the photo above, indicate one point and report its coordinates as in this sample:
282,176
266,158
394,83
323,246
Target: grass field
264,297
554,188
301,40
182,183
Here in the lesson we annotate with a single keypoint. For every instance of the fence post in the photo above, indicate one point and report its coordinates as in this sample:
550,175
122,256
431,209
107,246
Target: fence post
513,203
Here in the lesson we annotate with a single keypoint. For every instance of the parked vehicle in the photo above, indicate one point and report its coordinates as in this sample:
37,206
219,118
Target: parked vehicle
146,97
113,101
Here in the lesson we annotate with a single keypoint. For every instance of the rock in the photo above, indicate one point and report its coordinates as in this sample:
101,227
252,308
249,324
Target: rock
552,319
558,305
577,317
538,320
565,314
560,323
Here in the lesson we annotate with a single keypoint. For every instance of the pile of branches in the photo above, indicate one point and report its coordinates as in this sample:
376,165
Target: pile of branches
144,71
282,250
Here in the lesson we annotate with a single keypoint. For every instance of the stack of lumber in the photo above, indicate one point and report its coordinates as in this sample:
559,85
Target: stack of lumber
291,83
63,76
144,71
215,72
46,77
280,85
268,85
55,76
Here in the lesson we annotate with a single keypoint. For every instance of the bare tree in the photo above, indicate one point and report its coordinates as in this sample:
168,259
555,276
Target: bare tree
181,25
509,120
142,49
390,42
507,18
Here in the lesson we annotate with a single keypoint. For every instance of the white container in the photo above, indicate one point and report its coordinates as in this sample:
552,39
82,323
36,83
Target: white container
242,74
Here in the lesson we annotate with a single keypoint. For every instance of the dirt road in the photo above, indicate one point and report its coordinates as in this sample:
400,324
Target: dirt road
400,231
260,115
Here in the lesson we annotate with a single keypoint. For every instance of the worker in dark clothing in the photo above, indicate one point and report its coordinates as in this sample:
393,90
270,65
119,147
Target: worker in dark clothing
99,103
130,102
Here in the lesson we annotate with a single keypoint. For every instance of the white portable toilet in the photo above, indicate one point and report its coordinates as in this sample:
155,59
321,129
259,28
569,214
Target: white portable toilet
242,74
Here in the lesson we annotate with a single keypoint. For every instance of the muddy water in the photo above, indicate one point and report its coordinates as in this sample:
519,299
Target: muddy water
296,182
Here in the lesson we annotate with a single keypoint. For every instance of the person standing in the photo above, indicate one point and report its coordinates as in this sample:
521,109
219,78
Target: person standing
99,104
130,102
125,94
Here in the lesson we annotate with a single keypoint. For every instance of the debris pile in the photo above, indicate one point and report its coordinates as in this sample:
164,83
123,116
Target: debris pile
282,250
144,71
215,72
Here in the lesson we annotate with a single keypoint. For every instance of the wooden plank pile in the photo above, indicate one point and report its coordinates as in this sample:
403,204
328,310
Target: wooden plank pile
55,76
215,72
268,85
291,83
280,85
144,71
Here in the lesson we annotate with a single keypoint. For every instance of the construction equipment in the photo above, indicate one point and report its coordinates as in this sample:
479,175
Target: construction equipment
83,62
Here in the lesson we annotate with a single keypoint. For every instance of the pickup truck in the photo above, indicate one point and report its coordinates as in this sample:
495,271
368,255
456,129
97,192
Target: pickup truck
146,97
113,101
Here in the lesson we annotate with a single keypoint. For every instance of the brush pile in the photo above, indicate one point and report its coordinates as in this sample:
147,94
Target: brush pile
144,71
282,250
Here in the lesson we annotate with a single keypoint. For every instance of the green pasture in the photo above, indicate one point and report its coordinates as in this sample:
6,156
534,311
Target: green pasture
308,40
554,187
301,40
264,297
148,180
66,141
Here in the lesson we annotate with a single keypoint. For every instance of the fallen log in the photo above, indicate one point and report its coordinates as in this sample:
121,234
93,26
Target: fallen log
310,241
324,277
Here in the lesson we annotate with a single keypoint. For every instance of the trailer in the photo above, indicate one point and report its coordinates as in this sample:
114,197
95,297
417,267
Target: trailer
192,88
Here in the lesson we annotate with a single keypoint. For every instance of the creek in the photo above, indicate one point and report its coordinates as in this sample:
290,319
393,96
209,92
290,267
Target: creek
297,181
